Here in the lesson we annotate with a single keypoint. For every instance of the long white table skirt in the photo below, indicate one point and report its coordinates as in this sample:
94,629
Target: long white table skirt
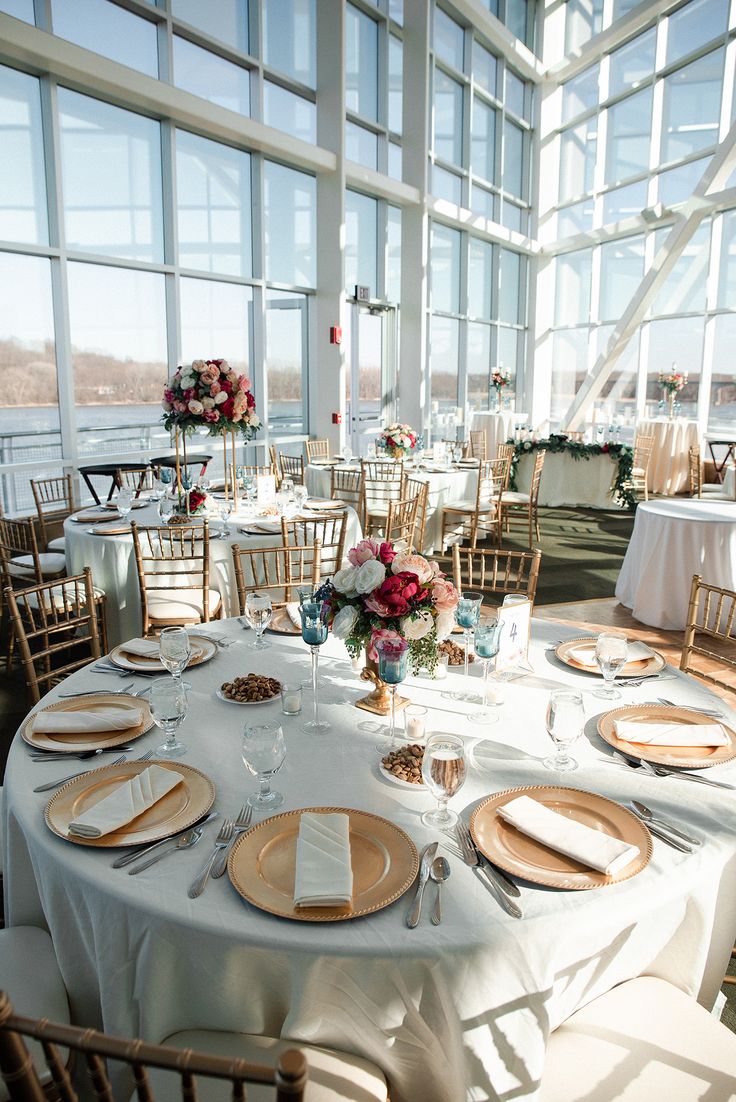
568,481
668,468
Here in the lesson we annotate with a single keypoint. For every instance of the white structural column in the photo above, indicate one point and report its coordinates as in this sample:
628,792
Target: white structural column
327,383
412,377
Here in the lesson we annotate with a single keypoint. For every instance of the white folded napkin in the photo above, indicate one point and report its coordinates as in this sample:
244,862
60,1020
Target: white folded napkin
671,734
292,609
635,652
142,648
591,847
127,802
84,722
324,877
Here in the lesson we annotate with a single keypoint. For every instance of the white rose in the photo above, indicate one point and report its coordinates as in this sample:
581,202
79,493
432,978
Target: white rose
208,403
369,575
198,365
344,622
254,419
419,627
187,382
344,581
445,623
221,397
195,407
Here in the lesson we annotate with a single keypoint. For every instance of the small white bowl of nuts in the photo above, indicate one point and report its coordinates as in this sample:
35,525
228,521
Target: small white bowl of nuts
253,688
403,766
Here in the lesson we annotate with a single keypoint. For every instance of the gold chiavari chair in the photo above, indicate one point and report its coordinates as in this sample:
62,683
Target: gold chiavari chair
346,486
317,449
329,531
254,470
482,514
276,570
414,488
380,483
695,471
643,450
56,627
496,571
292,466
135,479
275,469
506,451
710,634
21,563
516,505
173,567
478,444
401,519
54,503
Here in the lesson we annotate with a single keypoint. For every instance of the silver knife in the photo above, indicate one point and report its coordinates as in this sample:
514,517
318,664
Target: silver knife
425,865
126,859
500,877
695,777
670,839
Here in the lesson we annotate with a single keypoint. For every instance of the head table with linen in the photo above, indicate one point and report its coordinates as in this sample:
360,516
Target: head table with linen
454,1012
112,561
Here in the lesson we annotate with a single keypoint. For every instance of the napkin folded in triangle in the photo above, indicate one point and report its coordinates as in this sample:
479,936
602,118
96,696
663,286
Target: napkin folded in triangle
126,803
87,722
635,652
324,876
671,733
142,648
583,843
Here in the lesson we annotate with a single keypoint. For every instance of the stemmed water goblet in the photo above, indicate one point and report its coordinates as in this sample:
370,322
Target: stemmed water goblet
487,640
224,508
124,503
168,703
166,507
444,769
174,651
347,453
264,751
393,657
313,612
467,614
565,721
301,493
258,613
610,654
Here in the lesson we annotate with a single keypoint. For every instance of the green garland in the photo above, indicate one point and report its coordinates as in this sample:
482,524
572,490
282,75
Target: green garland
622,487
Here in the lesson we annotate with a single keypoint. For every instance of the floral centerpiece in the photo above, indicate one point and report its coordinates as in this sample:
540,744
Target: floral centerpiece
192,503
211,395
386,593
499,379
672,382
398,440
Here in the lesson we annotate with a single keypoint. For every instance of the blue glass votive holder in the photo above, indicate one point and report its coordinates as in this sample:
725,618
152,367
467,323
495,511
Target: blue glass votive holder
392,662
314,624
468,610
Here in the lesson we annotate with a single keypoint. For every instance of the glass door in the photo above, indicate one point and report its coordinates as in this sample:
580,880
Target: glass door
371,375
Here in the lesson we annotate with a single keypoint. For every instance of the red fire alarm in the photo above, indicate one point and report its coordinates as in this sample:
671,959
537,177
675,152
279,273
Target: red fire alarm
337,418
335,334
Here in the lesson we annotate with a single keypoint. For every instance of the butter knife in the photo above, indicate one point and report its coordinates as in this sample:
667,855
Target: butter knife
425,865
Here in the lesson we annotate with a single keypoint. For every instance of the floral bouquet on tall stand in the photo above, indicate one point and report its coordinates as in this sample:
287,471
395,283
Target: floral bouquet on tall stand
398,440
499,380
672,382
209,395
390,595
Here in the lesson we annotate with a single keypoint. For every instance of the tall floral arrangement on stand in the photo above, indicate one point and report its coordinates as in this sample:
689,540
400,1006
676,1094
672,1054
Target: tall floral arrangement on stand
672,382
500,379
398,440
386,593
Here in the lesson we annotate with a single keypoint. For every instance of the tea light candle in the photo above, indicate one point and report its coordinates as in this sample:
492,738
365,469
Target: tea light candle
415,719
440,670
291,699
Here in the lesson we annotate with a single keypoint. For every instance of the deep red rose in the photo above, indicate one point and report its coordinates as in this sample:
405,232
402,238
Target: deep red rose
226,385
396,593
251,400
196,498
604,448
226,409
386,553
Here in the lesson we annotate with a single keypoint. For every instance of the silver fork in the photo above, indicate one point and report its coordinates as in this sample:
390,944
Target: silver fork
108,692
62,780
471,857
221,841
241,824
695,707
662,771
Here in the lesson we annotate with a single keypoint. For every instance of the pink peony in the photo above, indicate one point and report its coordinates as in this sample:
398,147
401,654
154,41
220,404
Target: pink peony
387,634
363,551
405,561
393,596
444,595
210,375
168,394
212,416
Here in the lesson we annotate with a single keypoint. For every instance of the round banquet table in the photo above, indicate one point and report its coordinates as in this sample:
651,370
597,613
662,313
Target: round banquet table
112,561
455,484
671,541
498,426
668,467
450,1013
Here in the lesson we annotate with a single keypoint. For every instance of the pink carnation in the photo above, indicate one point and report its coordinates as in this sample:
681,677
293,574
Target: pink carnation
383,633
168,394
180,407
215,389
363,551
444,595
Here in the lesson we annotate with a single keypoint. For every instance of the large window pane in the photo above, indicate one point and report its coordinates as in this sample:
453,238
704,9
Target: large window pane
484,68
286,111
512,281
361,251
676,341
569,368
444,338
290,38
445,267
480,278
448,118
727,275
361,145
632,63
395,83
479,364
514,99
227,20
393,255
629,128
513,176
22,190
448,39
210,76
20,9
623,202
722,412
575,219
446,185
290,202
483,140
577,159
508,356
618,397
683,290
583,19
580,93
108,30
676,185
286,360
622,270
573,287
213,206
117,320
693,25
216,322
111,176
361,63
692,106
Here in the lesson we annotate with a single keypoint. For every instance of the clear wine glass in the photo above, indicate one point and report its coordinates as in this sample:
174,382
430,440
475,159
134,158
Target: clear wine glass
174,651
166,508
487,640
258,613
168,703
565,721
124,502
264,751
610,654
313,612
444,769
225,508
392,663
301,493
467,614
347,453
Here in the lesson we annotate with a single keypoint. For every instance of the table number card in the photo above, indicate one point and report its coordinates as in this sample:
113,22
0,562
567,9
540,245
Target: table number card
266,489
513,650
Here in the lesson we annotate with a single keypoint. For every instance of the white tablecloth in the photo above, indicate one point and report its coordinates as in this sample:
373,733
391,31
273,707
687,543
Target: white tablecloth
455,1013
112,563
498,427
668,468
671,541
444,487
729,482
568,481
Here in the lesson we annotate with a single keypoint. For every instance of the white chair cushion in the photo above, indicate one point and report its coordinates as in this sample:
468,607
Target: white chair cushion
57,544
178,604
333,1076
30,976
514,497
22,565
468,507
58,598
642,1041
376,510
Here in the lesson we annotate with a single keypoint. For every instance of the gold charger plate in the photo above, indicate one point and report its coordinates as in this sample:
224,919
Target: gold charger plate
202,650
92,740
690,757
281,624
179,809
110,530
138,503
515,852
320,505
642,667
94,516
262,865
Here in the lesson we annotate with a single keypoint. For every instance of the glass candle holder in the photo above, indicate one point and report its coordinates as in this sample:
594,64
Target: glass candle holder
313,613
487,641
291,699
415,723
467,615
393,658
440,670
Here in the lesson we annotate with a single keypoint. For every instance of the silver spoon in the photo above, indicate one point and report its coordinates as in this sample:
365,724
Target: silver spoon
647,814
439,872
184,841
